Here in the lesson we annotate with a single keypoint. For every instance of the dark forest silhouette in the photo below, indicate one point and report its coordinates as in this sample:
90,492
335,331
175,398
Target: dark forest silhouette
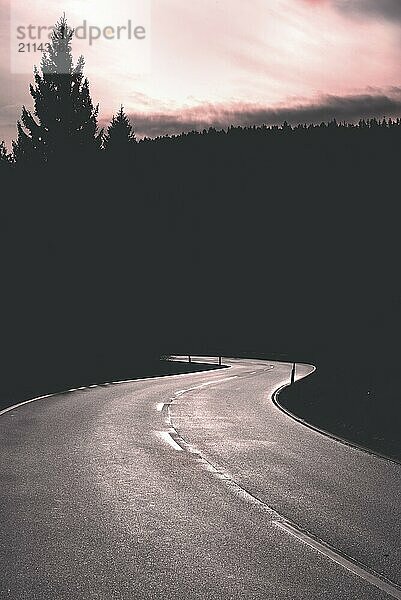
64,122
279,241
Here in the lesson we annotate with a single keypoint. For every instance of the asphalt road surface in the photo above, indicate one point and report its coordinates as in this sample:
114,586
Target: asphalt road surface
192,486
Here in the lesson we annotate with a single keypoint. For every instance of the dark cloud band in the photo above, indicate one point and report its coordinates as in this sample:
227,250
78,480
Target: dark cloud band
348,108
388,9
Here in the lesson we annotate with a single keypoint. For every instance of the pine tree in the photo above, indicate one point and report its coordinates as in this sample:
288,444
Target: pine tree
5,158
120,139
64,122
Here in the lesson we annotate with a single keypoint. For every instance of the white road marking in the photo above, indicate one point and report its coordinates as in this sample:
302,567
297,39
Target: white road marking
224,476
166,437
160,406
198,387
386,586
6,410
279,521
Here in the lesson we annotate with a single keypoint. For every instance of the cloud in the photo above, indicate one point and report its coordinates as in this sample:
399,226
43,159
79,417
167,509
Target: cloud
387,9
347,108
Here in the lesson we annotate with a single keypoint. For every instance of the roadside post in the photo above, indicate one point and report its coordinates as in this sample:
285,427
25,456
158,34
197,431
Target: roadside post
293,373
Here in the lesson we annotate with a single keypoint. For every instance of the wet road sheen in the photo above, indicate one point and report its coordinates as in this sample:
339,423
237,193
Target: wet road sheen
175,487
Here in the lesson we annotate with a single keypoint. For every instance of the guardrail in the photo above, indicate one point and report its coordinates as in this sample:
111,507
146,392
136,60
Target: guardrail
219,359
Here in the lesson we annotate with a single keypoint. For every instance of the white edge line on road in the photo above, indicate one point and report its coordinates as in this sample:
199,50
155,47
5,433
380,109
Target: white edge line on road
351,566
71,390
388,587
10,408
327,434
278,520
166,437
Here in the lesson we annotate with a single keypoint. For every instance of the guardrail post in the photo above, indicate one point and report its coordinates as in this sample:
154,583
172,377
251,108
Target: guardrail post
189,359
293,373
219,361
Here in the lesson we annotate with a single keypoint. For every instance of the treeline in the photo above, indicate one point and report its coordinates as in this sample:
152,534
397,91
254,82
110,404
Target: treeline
119,143
326,131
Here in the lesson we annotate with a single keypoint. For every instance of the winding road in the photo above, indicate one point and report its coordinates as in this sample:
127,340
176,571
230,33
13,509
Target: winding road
191,487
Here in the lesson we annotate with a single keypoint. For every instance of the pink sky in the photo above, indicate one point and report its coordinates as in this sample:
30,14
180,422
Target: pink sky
216,61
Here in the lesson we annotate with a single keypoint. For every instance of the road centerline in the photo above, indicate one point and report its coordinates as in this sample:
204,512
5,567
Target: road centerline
166,437
347,563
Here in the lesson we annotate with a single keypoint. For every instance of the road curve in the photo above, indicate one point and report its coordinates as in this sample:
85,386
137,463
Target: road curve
192,486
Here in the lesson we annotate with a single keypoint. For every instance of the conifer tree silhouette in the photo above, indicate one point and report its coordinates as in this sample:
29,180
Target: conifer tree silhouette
5,158
64,123
120,137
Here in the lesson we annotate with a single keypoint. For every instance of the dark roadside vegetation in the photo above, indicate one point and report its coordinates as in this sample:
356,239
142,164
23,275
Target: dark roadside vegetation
61,380
269,241
350,408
